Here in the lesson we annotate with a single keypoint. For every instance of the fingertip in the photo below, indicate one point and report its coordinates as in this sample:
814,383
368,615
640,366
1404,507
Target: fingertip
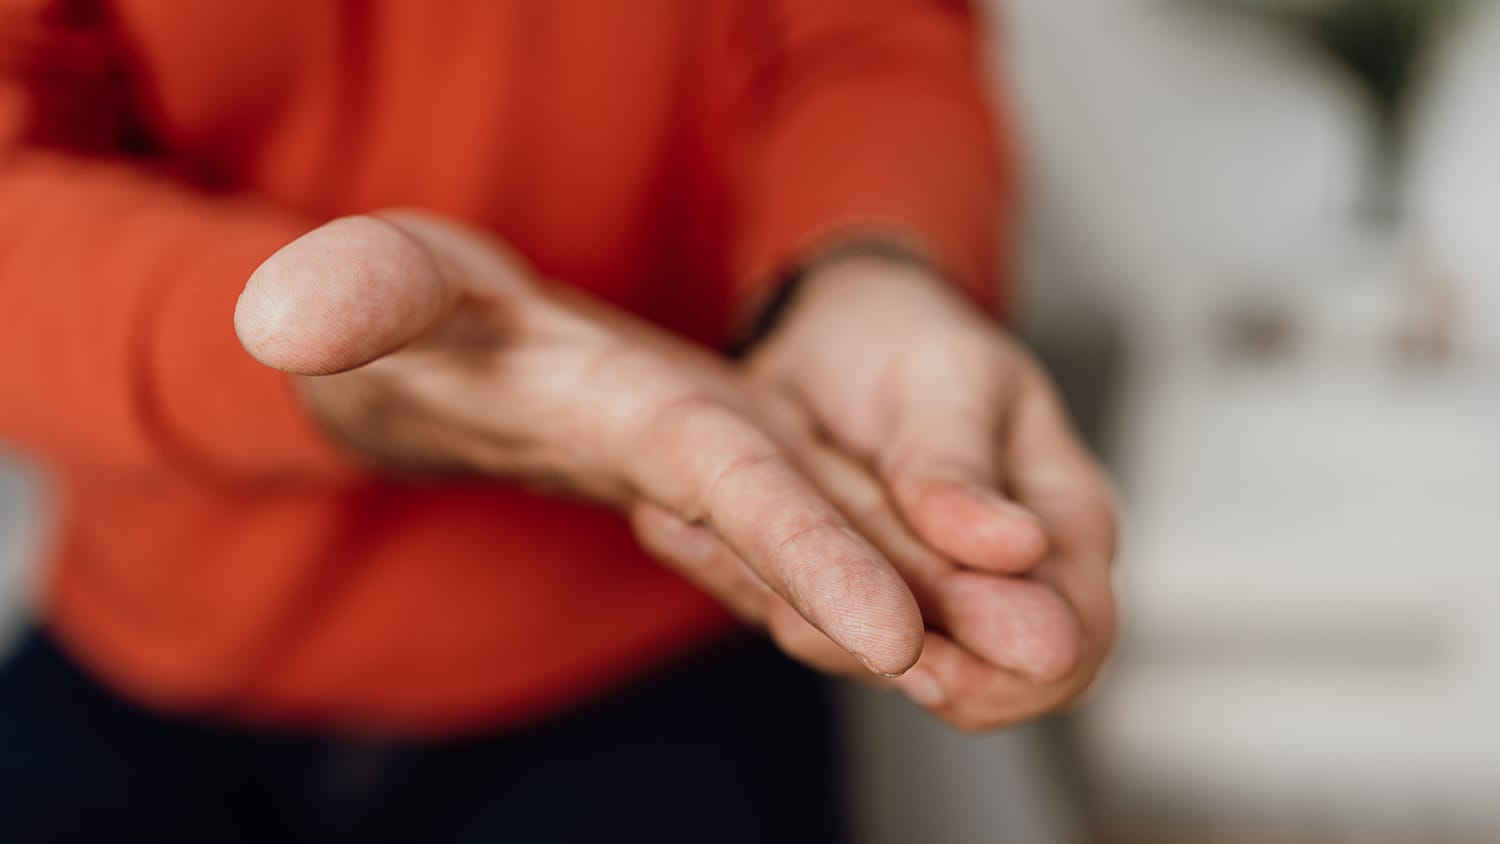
338,297
897,666
888,640
274,323
865,606
257,317
1019,625
1055,662
1048,656
891,642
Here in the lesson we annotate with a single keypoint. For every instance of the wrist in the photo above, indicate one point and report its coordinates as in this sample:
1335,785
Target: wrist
860,276
791,289
870,298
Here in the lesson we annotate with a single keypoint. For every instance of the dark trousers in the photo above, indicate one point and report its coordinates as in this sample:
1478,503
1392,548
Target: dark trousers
736,747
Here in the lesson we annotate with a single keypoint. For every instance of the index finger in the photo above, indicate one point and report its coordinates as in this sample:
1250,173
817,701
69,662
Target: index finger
707,463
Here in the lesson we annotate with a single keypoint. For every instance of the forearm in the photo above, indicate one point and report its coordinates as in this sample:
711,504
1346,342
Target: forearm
879,128
118,289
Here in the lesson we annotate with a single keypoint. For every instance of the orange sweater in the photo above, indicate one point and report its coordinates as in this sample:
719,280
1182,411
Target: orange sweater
214,554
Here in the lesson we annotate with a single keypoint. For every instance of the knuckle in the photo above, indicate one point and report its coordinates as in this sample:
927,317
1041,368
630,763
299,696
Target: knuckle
710,442
748,459
715,493
613,395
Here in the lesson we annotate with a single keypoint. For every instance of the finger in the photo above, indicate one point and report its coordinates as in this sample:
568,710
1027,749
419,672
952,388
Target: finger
1009,622
1012,623
942,464
972,695
708,464
700,557
696,554
1054,474
341,296
798,639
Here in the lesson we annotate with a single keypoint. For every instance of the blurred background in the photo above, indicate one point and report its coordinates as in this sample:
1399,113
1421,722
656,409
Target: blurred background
1263,257
1264,260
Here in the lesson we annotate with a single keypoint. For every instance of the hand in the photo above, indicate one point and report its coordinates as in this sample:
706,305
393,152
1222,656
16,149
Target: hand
970,606
974,450
422,343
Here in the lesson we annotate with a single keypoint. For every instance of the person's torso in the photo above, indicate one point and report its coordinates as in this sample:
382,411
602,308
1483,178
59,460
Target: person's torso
573,130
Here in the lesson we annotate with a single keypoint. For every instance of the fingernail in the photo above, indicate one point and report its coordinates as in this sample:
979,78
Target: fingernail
922,687
869,666
993,499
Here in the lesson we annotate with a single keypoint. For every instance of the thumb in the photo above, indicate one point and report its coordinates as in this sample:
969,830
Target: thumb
343,295
943,467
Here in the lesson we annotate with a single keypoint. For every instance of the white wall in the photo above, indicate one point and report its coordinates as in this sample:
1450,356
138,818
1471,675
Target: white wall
1311,573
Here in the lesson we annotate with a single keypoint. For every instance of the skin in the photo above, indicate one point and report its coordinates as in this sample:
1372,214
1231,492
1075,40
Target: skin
888,485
